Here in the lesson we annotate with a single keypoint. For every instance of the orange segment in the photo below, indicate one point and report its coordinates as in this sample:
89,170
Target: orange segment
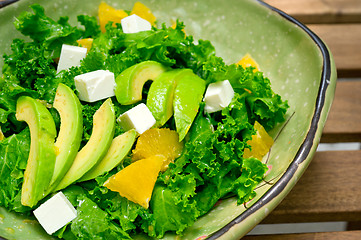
144,12
86,42
158,141
136,181
248,61
260,143
107,13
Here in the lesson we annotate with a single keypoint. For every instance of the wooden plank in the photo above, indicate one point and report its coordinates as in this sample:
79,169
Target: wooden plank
344,41
347,235
321,11
344,120
329,190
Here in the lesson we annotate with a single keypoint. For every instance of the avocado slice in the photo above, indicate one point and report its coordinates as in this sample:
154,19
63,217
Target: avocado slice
120,147
129,84
187,96
97,146
161,92
1,135
70,134
41,161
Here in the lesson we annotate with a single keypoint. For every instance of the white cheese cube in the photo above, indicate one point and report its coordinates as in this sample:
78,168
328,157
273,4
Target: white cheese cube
70,56
96,85
134,24
139,117
218,96
55,213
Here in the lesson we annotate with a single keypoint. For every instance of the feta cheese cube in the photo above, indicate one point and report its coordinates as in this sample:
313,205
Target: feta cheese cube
96,85
134,24
218,96
70,56
55,213
139,117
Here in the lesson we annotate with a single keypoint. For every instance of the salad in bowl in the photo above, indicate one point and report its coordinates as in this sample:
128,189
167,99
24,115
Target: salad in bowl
124,127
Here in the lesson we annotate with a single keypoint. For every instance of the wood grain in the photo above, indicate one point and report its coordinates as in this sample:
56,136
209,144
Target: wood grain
350,235
324,18
321,11
329,190
344,41
344,120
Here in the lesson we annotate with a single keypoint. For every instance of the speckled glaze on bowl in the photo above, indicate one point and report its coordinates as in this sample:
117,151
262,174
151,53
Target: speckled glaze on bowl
297,62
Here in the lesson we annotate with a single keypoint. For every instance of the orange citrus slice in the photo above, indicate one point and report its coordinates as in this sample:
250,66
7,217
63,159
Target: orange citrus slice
107,14
136,181
248,61
158,141
86,42
260,143
144,12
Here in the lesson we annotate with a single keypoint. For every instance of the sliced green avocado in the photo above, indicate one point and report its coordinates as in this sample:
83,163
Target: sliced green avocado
97,146
161,92
70,134
129,84
41,161
1,135
120,147
187,96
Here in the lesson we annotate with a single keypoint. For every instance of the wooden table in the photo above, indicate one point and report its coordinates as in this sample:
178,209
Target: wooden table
330,189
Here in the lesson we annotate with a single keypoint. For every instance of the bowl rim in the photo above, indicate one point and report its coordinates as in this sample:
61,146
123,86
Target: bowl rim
4,3
305,148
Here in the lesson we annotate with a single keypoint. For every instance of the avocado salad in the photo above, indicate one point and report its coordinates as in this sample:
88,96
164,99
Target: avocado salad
121,125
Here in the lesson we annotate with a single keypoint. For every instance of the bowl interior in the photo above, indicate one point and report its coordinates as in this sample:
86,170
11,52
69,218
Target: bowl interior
285,53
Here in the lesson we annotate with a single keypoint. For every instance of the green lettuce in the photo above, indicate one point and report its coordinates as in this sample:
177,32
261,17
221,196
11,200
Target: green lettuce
52,34
211,166
14,152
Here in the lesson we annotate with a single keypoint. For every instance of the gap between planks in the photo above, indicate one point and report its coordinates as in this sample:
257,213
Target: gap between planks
344,120
344,42
349,235
328,191
321,11
324,17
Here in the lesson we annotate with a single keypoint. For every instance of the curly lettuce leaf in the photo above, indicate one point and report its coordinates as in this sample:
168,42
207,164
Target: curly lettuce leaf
94,223
27,63
41,28
252,173
168,214
14,152
212,164
211,167
91,26
9,93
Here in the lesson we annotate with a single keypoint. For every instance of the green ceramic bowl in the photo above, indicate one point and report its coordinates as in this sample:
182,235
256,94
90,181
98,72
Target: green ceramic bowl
298,63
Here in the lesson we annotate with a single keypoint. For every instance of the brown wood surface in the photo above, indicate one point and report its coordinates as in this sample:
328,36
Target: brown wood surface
344,41
350,235
329,190
344,120
321,11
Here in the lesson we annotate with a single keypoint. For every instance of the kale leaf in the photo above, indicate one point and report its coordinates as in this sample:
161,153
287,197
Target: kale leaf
14,152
